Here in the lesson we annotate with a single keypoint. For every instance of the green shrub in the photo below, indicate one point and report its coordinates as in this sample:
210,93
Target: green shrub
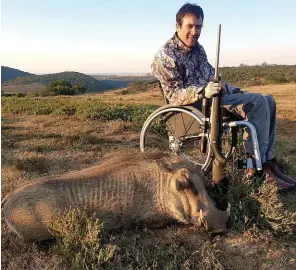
125,92
20,95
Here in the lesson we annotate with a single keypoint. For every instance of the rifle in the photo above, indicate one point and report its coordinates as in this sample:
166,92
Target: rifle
214,121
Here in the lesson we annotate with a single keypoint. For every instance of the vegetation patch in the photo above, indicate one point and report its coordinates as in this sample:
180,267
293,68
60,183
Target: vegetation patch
259,74
79,244
81,108
82,244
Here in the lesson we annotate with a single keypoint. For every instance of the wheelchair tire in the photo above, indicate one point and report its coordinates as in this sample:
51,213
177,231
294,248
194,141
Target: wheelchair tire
178,130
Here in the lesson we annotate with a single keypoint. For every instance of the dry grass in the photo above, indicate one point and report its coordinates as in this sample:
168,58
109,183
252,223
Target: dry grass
34,146
23,88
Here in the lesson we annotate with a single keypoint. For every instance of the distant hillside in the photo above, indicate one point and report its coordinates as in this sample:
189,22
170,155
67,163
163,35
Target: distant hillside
120,81
73,77
245,75
242,75
8,73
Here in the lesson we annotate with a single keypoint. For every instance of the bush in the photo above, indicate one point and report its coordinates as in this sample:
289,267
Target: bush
63,87
79,244
125,92
20,95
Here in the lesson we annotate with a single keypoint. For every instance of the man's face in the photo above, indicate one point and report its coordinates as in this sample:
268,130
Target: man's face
190,29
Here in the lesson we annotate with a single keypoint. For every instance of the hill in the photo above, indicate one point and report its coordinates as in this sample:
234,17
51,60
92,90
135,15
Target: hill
120,81
89,82
8,73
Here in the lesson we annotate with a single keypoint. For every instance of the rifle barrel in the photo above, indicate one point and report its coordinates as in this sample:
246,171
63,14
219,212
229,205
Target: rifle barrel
217,53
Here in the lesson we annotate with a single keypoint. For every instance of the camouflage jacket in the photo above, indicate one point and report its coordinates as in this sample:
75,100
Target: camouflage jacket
184,72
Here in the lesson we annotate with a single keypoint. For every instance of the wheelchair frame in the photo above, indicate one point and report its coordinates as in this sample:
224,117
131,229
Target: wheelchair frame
199,117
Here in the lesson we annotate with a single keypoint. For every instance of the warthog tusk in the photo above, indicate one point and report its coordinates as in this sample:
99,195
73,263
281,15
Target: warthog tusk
228,209
200,219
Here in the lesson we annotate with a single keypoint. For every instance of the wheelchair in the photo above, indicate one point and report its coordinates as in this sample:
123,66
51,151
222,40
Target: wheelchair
185,130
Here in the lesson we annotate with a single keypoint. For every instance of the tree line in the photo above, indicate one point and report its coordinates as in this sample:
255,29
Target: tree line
245,75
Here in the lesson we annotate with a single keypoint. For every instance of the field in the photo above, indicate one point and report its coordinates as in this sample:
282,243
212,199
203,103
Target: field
64,134
35,87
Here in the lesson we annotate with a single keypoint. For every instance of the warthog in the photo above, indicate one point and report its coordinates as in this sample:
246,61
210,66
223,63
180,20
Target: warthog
129,188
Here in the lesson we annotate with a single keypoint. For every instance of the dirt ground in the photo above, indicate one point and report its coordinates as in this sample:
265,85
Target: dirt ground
34,146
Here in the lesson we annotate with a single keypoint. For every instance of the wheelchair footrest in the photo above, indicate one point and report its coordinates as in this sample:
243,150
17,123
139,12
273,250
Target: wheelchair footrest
246,163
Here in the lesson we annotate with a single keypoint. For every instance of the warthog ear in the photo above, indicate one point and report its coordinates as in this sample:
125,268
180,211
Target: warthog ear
165,165
183,177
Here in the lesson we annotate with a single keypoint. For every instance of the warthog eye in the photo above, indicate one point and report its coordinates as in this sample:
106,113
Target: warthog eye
183,179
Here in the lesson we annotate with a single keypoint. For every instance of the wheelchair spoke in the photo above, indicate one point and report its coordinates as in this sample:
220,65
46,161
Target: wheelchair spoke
175,131
186,126
172,131
193,158
165,140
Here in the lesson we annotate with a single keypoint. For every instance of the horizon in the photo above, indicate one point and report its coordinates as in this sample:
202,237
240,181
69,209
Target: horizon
52,37
138,73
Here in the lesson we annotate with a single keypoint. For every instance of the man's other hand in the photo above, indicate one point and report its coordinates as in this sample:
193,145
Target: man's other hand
212,89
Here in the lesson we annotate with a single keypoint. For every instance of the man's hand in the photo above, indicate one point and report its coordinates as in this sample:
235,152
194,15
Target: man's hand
212,89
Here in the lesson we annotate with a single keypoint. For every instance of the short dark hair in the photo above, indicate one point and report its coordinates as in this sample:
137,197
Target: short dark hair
189,9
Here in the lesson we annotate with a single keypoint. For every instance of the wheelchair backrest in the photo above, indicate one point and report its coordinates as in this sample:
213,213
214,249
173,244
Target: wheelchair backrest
165,100
181,123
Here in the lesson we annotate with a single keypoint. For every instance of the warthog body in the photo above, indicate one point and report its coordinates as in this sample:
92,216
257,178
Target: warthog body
130,188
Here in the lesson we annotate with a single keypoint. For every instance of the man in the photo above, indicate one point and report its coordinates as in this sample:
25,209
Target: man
186,77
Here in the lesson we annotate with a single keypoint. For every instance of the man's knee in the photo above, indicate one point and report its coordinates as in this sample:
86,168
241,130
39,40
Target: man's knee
270,100
260,103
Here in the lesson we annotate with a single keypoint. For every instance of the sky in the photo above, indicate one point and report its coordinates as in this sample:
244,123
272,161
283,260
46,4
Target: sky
122,36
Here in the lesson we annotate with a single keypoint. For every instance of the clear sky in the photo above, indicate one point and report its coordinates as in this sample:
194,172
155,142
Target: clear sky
116,36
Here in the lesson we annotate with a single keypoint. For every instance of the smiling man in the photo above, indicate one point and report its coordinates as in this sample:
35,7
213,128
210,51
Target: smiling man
186,76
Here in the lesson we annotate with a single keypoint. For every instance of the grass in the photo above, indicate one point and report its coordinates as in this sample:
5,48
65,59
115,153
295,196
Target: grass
80,245
79,240
81,108
78,132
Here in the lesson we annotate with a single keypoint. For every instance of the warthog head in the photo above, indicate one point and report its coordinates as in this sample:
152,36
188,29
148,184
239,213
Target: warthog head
190,201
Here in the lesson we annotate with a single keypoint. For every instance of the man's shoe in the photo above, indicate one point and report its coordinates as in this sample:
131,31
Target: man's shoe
276,171
272,179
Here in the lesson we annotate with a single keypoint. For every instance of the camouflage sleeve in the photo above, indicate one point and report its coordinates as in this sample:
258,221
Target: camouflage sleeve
164,68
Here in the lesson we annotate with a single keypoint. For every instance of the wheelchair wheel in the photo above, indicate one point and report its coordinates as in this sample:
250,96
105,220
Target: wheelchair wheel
177,130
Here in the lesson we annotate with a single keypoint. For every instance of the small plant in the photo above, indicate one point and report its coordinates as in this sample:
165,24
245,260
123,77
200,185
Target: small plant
208,258
125,92
20,95
79,240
